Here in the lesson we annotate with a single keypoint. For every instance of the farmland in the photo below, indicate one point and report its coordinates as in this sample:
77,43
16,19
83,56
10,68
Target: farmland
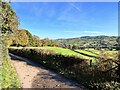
45,42
90,54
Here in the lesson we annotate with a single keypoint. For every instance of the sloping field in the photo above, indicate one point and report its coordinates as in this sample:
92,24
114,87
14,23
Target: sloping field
110,54
89,54
68,52
62,51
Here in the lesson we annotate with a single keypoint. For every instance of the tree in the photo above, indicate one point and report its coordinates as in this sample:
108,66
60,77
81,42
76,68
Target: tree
31,41
21,39
37,41
70,46
9,20
74,47
9,23
46,42
53,43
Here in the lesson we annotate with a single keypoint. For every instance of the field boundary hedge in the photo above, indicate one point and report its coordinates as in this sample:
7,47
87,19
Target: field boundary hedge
73,67
8,75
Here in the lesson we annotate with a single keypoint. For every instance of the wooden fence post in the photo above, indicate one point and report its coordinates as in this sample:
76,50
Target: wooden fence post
90,63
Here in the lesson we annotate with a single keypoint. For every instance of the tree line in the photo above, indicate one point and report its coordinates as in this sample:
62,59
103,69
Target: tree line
99,47
96,42
25,38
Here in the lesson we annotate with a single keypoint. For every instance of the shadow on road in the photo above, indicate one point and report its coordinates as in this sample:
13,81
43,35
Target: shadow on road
46,78
52,80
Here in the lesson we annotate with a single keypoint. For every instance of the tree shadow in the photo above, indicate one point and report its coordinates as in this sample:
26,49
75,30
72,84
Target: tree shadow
52,80
20,59
91,52
85,54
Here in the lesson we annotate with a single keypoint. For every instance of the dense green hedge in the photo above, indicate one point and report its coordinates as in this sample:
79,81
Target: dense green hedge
72,67
8,75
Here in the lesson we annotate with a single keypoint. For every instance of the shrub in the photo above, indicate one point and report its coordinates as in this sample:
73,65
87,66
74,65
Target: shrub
8,76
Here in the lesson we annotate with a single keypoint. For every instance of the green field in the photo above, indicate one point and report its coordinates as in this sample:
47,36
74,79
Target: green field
86,54
89,54
62,51
110,54
69,52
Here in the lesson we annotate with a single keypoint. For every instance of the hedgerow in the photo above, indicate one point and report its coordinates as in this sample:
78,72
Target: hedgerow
95,76
8,75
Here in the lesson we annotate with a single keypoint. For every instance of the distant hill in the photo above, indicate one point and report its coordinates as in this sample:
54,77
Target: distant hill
90,41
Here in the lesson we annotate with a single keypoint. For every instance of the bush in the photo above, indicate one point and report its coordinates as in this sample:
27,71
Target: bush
9,78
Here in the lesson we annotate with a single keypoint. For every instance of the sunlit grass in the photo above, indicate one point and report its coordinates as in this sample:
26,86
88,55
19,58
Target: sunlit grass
87,52
69,52
64,51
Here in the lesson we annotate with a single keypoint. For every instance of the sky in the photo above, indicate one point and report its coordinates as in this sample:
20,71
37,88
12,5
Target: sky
68,19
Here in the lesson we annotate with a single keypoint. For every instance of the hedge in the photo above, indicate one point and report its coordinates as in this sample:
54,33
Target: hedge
72,67
8,75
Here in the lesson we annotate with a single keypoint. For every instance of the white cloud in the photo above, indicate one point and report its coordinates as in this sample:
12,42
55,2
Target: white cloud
66,17
74,6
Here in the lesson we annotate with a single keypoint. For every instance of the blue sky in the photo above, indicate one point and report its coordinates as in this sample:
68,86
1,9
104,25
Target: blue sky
68,19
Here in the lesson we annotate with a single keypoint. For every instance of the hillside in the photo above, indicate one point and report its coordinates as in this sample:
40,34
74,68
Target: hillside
90,41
